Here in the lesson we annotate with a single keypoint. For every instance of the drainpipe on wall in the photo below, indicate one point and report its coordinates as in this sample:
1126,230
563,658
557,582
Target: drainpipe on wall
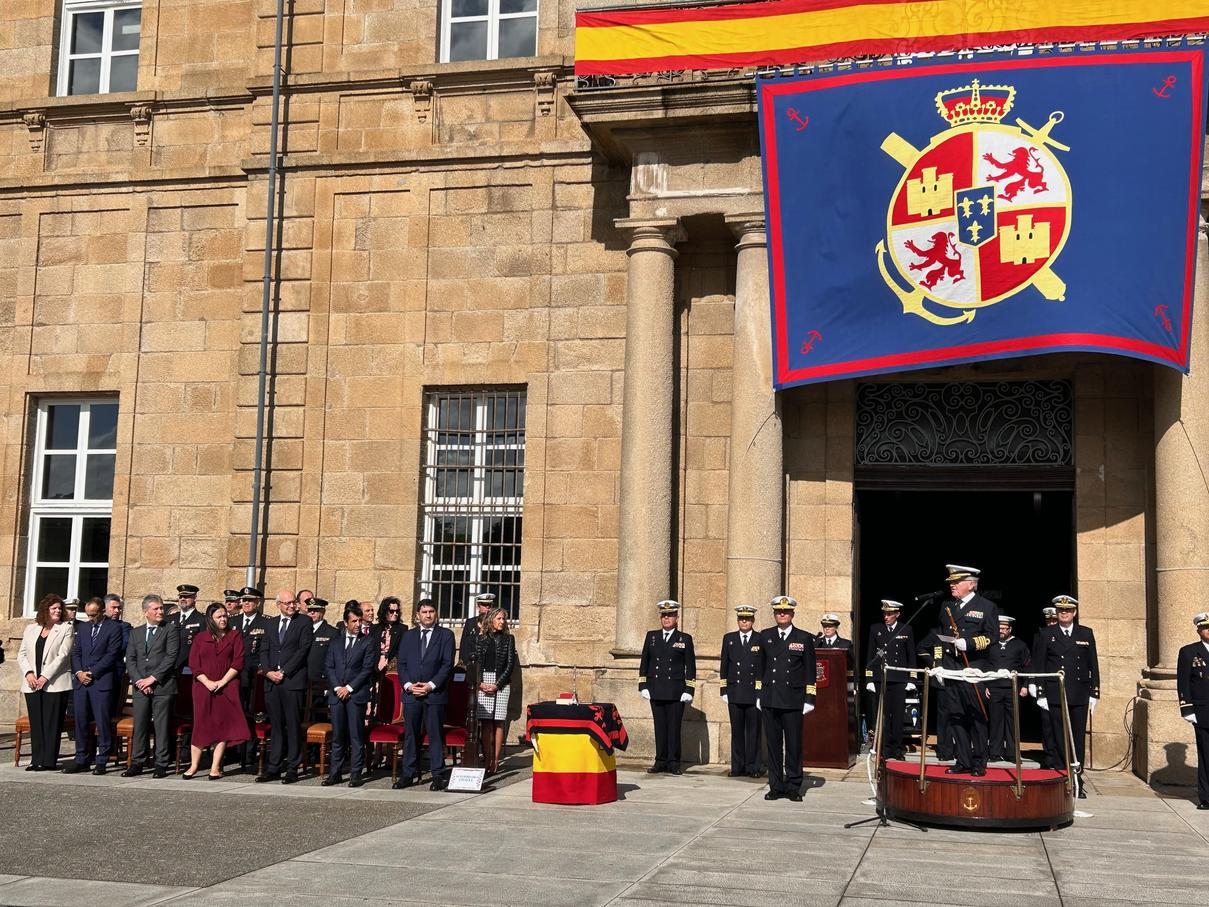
265,294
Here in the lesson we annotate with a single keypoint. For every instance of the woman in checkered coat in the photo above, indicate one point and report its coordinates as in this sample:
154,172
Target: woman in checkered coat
495,651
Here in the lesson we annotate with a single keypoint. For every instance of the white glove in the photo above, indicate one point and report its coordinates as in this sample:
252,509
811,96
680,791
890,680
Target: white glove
1091,704
1032,690
910,688
869,686
724,699
686,697
960,645
758,709
645,694
1190,718
1044,703
807,708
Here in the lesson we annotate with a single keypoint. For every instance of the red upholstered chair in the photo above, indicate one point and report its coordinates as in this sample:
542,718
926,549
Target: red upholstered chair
455,716
386,723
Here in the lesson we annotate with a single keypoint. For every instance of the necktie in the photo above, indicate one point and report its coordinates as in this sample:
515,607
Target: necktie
247,622
285,625
348,642
666,636
150,636
423,642
784,633
744,638
96,628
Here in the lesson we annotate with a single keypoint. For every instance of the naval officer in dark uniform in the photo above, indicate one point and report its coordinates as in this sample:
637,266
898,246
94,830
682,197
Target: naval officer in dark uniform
1192,684
972,622
1009,654
1049,739
1071,648
667,678
787,693
252,625
739,673
891,643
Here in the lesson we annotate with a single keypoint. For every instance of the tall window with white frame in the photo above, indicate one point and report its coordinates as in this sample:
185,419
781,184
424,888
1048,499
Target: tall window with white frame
488,29
473,484
99,46
71,499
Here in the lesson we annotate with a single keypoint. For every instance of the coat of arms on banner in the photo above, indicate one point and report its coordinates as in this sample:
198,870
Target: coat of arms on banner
979,214
927,212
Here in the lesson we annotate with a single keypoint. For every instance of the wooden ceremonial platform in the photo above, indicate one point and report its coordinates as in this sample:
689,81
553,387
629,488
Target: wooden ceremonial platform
1006,797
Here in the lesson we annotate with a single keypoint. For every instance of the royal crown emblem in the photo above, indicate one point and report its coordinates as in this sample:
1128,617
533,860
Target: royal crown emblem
981,213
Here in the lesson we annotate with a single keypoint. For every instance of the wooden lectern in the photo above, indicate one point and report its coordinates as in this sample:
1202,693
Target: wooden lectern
826,730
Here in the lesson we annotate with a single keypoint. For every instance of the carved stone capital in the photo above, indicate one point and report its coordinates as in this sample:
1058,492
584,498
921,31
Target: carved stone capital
421,93
141,115
547,90
748,229
35,122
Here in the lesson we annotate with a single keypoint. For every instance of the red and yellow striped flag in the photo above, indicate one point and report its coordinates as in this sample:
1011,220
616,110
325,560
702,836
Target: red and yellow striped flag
654,38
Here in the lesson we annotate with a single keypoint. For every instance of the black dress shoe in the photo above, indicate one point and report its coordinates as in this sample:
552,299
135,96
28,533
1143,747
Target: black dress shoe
978,772
159,772
1203,805
676,771
656,769
289,778
132,772
267,777
438,784
74,768
772,795
1082,793
99,770
796,796
733,774
402,783
331,780
956,770
33,768
756,774
356,781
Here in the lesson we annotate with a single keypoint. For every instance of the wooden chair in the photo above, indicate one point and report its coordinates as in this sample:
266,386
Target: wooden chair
386,723
21,728
181,722
316,731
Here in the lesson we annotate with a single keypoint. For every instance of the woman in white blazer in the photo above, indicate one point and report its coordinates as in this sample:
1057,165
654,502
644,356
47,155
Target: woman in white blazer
45,662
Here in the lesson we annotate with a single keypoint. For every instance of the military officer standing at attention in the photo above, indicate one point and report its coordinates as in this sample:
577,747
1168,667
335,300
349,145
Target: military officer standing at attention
1192,683
972,622
829,638
252,625
1050,616
786,694
190,620
1071,648
739,673
323,634
891,643
667,676
1012,654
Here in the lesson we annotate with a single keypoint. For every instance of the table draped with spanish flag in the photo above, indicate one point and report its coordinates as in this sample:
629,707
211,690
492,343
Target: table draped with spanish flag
573,751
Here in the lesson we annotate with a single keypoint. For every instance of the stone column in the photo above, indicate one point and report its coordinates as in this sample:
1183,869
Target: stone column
756,509
644,561
1165,751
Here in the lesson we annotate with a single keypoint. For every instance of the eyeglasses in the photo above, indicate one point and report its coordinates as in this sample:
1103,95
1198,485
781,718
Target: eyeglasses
392,610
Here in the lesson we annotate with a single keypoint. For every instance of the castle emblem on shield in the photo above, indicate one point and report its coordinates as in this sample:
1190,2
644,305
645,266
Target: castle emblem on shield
980,214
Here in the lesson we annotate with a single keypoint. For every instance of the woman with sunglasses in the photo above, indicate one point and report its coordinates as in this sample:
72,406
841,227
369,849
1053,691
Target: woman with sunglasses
387,632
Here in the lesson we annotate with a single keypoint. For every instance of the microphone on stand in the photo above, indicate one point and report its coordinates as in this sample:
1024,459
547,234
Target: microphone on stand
929,596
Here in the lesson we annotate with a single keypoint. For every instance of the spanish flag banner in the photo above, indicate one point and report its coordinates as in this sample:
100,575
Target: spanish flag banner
573,746
778,32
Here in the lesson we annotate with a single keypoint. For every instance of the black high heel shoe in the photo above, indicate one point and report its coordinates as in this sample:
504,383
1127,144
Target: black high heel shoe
187,776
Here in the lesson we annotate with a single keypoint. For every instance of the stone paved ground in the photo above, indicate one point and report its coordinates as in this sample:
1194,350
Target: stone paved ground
699,839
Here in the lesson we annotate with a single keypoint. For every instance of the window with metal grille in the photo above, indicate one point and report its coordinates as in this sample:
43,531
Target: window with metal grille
473,485
71,499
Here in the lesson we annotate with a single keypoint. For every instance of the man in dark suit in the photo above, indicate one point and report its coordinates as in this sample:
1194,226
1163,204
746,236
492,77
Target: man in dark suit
425,664
1071,648
253,626
113,611
740,671
349,669
891,643
1192,684
95,653
190,620
470,628
1009,654
667,678
787,692
283,659
151,664
972,623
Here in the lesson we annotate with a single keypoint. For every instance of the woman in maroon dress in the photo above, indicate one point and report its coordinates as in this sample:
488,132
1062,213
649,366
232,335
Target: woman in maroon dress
216,659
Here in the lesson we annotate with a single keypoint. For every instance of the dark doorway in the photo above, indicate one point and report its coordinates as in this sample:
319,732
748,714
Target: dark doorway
1023,541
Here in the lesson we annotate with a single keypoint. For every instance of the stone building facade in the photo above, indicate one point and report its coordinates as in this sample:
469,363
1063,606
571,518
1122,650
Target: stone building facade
491,224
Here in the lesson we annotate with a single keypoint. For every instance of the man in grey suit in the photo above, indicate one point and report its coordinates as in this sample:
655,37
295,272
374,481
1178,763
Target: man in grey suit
151,659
